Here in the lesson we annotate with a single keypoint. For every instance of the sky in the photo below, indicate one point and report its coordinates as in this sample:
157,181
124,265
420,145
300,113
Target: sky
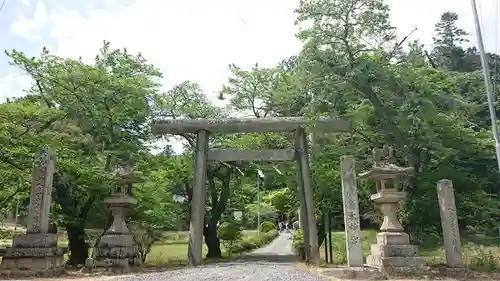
194,39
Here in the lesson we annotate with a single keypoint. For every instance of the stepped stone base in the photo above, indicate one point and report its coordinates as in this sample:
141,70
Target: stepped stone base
394,254
116,252
33,255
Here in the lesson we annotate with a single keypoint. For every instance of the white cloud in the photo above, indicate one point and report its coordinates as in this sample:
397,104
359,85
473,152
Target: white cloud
197,39
31,28
189,39
26,2
13,85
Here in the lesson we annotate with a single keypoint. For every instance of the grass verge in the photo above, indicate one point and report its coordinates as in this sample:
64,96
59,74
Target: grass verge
480,253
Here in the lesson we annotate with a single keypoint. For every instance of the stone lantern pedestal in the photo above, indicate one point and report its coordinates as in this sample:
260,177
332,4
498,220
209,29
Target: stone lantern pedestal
117,249
393,252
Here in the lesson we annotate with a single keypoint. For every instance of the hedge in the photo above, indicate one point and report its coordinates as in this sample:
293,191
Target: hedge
267,226
298,243
7,234
254,242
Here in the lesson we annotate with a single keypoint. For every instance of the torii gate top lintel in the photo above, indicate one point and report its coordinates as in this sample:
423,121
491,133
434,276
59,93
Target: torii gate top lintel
249,125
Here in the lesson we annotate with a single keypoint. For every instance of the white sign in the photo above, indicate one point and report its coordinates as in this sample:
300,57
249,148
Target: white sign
261,174
238,215
179,198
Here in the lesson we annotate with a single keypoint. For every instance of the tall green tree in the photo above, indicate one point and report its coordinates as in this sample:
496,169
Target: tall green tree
101,110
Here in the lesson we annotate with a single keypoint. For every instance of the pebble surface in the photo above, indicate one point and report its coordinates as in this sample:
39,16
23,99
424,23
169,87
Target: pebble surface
240,270
273,262
246,271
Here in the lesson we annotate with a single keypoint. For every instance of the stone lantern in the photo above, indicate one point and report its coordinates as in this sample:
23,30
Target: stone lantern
117,248
393,250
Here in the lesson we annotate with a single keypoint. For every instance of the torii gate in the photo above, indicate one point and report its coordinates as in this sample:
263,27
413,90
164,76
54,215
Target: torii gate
204,127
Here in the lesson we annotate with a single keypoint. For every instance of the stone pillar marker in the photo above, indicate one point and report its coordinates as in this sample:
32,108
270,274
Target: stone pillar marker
36,253
354,245
41,192
449,223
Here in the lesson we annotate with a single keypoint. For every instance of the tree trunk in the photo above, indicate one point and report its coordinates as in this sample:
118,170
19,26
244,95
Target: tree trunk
321,232
212,241
218,206
78,248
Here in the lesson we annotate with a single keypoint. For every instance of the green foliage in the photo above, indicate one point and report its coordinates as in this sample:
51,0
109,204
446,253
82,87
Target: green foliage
6,234
144,240
281,199
298,243
254,242
267,226
229,232
267,212
428,102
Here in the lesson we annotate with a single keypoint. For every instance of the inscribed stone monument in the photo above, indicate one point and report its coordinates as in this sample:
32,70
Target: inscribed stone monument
36,253
449,223
351,212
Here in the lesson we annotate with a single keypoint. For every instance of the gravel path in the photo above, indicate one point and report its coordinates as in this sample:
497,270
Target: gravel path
265,264
281,246
275,262
245,271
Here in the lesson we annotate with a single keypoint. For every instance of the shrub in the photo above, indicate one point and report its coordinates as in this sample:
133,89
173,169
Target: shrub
267,226
298,244
144,238
6,234
254,242
229,232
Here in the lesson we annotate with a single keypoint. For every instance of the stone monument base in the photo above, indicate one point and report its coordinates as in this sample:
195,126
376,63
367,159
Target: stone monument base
393,254
117,252
33,254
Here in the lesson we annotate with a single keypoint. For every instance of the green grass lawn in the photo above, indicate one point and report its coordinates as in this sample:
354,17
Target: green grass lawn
170,254
479,252
172,250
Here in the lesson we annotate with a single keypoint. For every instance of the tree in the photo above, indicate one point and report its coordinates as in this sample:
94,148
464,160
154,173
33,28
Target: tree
186,100
156,211
429,105
447,51
251,91
99,112
352,62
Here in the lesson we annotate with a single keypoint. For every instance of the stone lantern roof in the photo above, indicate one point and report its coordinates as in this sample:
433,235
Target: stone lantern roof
127,174
384,167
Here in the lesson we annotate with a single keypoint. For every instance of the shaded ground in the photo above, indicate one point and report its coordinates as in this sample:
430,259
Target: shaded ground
278,251
234,271
274,262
